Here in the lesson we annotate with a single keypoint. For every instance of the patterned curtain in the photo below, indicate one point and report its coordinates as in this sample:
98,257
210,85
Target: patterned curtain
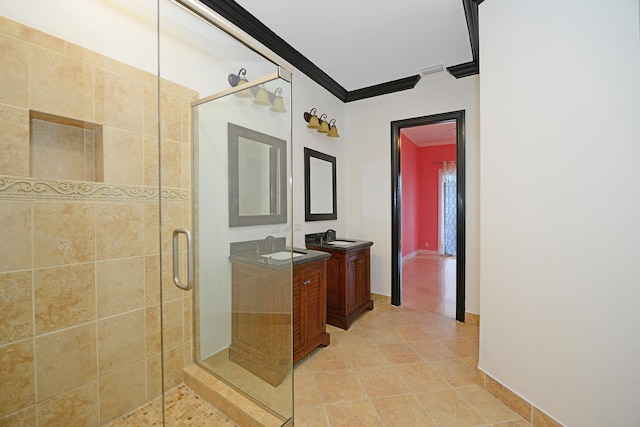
449,207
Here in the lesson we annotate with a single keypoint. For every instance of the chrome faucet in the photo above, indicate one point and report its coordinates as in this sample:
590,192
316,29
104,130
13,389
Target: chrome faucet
272,242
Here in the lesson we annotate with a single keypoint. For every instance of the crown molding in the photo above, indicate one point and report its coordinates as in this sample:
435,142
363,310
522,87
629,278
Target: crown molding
241,18
383,88
464,70
473,67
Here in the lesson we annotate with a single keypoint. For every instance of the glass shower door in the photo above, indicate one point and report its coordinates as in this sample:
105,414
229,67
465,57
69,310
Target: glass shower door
242,211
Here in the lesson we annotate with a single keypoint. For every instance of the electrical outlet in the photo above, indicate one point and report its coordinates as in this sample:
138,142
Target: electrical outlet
426,244
297,227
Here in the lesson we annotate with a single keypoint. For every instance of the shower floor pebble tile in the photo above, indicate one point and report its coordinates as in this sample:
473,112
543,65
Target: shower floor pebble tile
183,408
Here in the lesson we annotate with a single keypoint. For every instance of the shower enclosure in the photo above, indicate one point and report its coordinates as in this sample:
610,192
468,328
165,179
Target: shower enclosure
113,151
242,207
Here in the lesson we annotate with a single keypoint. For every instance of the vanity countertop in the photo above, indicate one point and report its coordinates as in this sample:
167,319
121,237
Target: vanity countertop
340,244
281,259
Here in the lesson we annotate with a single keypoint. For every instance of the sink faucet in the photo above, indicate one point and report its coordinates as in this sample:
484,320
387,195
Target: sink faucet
272,242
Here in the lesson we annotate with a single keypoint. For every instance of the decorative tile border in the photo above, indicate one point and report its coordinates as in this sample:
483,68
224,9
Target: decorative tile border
31,189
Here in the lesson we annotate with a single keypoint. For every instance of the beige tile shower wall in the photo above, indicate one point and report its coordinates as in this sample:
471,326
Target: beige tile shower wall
79,273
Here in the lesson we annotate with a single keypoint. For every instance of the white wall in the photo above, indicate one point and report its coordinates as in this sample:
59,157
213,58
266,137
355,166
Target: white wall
306,95
560,181
368,158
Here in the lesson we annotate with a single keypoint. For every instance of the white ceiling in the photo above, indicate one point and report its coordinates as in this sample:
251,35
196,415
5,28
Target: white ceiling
361,43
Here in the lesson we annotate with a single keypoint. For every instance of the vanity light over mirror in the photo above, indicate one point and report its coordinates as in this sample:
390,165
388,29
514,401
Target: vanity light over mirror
320,186
255,201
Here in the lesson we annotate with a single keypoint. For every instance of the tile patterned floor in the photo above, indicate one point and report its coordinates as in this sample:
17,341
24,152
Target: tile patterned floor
412,365
406,366
397,366
183,408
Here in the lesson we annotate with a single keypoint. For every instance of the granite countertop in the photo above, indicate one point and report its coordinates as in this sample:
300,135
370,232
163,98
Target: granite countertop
300,256
341,244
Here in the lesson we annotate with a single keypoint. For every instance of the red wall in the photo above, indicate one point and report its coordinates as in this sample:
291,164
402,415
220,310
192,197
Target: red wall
409,188
420,193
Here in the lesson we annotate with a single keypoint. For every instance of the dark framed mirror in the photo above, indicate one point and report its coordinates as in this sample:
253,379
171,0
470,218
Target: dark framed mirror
320,186
257,178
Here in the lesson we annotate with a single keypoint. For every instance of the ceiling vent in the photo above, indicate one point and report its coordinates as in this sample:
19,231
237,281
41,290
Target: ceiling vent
431,70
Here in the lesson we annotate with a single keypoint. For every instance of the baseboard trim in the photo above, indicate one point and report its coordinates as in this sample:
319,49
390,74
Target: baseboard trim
419,252
472,318
381,298
531,414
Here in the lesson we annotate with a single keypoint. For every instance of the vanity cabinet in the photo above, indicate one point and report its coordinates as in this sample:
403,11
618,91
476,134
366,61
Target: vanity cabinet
261,320
264,309
348,282
309,307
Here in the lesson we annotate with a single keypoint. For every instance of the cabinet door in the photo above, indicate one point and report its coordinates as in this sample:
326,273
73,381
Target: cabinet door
351,283
298,315
363,287
315,303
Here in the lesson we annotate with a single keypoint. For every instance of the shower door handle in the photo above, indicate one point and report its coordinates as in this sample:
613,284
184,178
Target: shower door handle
190,261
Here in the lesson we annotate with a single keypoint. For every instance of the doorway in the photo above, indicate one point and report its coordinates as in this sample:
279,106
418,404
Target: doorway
456,117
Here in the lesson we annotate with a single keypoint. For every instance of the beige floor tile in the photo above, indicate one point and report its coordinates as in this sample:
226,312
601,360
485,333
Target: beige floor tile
432,350
310,416
420,377
461,346
330,359
455,372
305,390
304,365
383,334
467,330
413,333
354,337
365,356
448,409
403,411
354,413
399,353
338,386
486,405
516,423
381,382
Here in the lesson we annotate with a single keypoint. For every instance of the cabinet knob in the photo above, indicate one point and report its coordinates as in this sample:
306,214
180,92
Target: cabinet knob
306,282
360,261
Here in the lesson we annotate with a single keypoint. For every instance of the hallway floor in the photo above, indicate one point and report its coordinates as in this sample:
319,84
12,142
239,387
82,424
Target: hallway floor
429,283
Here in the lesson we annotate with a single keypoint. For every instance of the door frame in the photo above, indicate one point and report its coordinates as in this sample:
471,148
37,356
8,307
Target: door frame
396,204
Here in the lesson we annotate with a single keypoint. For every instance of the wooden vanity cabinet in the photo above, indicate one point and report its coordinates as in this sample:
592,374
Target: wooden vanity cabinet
261,320
348,284
309,307
261,332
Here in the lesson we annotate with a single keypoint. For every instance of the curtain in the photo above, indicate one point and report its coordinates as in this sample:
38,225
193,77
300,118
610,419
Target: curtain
449,207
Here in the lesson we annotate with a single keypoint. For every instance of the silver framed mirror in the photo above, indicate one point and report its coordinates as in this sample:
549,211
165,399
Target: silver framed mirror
256,201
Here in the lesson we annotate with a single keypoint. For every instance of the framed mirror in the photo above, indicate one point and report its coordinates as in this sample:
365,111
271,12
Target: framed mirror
320,186
257,178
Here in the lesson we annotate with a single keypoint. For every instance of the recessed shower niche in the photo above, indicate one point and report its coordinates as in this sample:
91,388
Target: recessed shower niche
61,148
